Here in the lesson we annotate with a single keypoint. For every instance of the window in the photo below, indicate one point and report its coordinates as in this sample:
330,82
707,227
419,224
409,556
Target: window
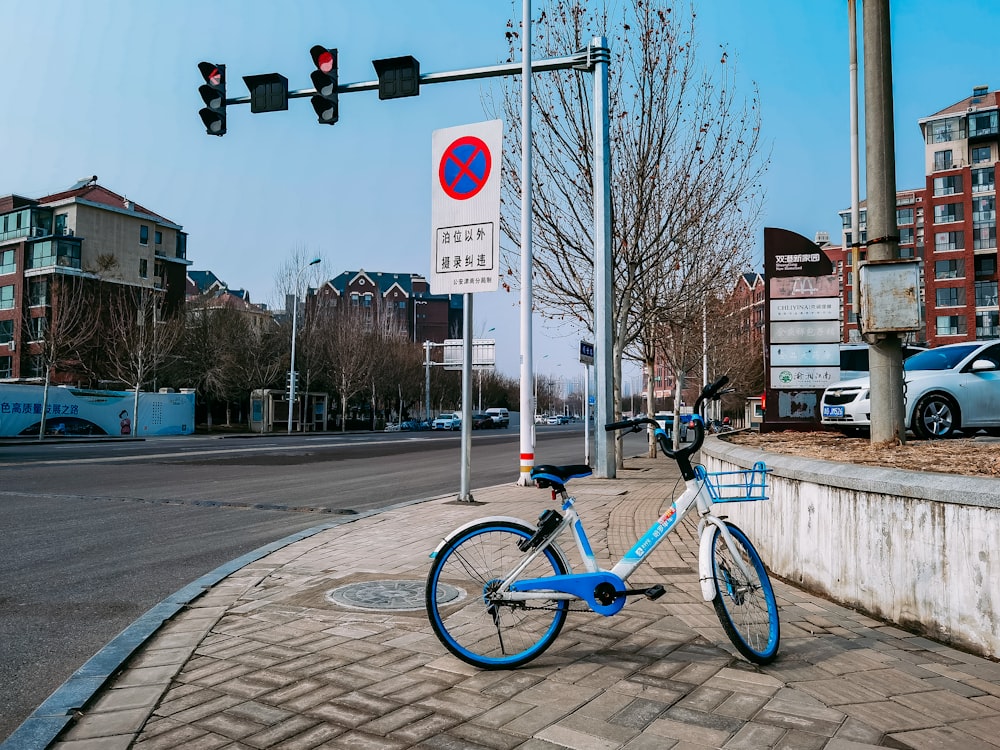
181,246
367,300
984,209
904,216
845,220
6,367
948,212
51,253
38,293
6,331
355,299
7,297
906,252
980,154
143,268
986,294
984,236
37,367
158,237
983,123
60,224
986,265
950,325
950,296
906,236
143,234
944,241
37,328
949,269
982,180
7,262
942,160
949,129
947,185
987,324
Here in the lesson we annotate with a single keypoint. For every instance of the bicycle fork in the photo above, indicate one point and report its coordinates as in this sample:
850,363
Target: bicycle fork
706,575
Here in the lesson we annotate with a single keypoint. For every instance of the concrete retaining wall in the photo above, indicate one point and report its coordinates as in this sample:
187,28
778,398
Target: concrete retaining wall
917,549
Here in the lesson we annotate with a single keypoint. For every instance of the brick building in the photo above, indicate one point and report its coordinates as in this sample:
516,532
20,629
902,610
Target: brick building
87,232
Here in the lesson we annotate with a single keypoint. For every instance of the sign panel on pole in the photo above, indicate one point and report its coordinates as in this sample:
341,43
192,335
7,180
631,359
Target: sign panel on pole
465,208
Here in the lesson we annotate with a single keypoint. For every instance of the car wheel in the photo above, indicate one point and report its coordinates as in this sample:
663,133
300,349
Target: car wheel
992,431
936,416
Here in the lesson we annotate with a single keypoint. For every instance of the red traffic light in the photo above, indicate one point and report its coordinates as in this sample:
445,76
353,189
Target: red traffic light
324,78
324,59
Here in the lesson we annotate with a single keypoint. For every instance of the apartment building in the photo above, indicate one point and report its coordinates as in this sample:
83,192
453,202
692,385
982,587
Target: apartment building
950,223
424,316
87,231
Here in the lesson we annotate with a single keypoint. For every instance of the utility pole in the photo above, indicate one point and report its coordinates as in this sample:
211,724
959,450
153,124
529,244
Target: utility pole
886,357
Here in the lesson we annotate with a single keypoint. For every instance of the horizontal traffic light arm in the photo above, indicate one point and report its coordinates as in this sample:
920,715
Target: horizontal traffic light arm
585,59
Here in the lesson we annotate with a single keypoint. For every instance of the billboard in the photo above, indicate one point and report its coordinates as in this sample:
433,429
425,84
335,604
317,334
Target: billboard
78,412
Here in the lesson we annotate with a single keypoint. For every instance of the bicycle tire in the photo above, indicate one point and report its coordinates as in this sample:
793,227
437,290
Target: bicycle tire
747,609
492,636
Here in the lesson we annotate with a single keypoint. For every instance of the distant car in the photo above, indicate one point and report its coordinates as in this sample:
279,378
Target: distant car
553,419
948,388
447,421
666,422
392,427
541,418
500,416
483,422
414,425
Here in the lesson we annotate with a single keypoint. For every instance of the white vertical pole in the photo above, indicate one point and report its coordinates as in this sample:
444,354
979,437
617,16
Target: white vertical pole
855,255
527,405
465,495
427,381
604,451
586,414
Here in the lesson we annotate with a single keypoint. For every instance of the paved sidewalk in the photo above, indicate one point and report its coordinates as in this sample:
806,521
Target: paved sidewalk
266,660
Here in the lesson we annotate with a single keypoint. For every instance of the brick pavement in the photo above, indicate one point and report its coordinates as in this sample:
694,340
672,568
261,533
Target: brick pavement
265,660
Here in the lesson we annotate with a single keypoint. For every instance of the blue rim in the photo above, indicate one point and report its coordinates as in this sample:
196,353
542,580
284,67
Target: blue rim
522,656
765,584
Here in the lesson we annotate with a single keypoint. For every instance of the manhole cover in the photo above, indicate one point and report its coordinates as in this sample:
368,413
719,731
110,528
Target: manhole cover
400,596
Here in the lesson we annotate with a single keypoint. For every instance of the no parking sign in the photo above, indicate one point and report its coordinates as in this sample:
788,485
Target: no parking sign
465,208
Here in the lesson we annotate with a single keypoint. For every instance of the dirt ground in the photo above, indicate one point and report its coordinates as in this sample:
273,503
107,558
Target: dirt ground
967,456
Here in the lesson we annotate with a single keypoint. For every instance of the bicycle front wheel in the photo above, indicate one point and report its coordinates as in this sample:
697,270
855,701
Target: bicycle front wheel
477,628
746,606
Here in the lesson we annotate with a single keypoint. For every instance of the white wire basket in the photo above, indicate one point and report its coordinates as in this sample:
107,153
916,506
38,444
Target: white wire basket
736,486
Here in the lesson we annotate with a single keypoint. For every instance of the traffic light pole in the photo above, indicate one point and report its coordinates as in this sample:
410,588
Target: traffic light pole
595,58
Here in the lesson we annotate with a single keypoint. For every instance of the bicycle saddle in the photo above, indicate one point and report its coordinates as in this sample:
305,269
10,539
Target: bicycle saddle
549,475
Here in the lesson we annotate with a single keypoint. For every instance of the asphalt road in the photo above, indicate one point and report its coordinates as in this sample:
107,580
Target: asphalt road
93,535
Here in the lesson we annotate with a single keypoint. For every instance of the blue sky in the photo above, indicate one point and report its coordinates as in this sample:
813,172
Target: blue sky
109,87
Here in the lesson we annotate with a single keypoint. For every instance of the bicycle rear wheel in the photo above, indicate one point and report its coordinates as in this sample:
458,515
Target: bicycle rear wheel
478,630
746,607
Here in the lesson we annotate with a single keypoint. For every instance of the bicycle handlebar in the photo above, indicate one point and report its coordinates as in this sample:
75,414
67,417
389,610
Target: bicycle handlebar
681,455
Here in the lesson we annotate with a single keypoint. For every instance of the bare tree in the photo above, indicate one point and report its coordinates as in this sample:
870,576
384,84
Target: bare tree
258,356
137,340
685,163
62,333
344,342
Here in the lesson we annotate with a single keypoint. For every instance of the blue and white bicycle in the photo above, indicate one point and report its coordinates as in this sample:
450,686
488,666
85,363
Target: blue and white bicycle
499,589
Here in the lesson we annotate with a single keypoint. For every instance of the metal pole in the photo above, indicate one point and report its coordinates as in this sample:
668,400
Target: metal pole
852,12
527,431
291,374
465,494
885,353
604,450
427,381
586,414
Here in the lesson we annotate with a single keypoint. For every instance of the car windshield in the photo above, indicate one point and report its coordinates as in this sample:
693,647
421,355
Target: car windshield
939,359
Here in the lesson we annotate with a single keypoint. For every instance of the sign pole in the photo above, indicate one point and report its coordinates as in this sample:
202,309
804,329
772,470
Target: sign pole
465,494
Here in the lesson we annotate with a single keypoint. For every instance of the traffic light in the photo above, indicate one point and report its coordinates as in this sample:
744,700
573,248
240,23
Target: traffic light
324,78
397,77
213,92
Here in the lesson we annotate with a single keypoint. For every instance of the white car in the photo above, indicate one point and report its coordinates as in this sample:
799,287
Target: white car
946,389
447,421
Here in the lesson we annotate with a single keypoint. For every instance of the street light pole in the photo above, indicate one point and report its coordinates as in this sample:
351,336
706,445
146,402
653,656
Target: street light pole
295,317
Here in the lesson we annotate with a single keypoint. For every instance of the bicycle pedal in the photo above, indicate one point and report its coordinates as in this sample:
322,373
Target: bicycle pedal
655,592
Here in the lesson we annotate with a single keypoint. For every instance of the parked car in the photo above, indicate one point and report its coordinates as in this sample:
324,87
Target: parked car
392,427
500,416
553,419
483,422
540,418
447,421
854,359
948,388
414,425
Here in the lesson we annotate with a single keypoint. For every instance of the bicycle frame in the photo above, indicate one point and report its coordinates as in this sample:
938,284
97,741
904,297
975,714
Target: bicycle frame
584,585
